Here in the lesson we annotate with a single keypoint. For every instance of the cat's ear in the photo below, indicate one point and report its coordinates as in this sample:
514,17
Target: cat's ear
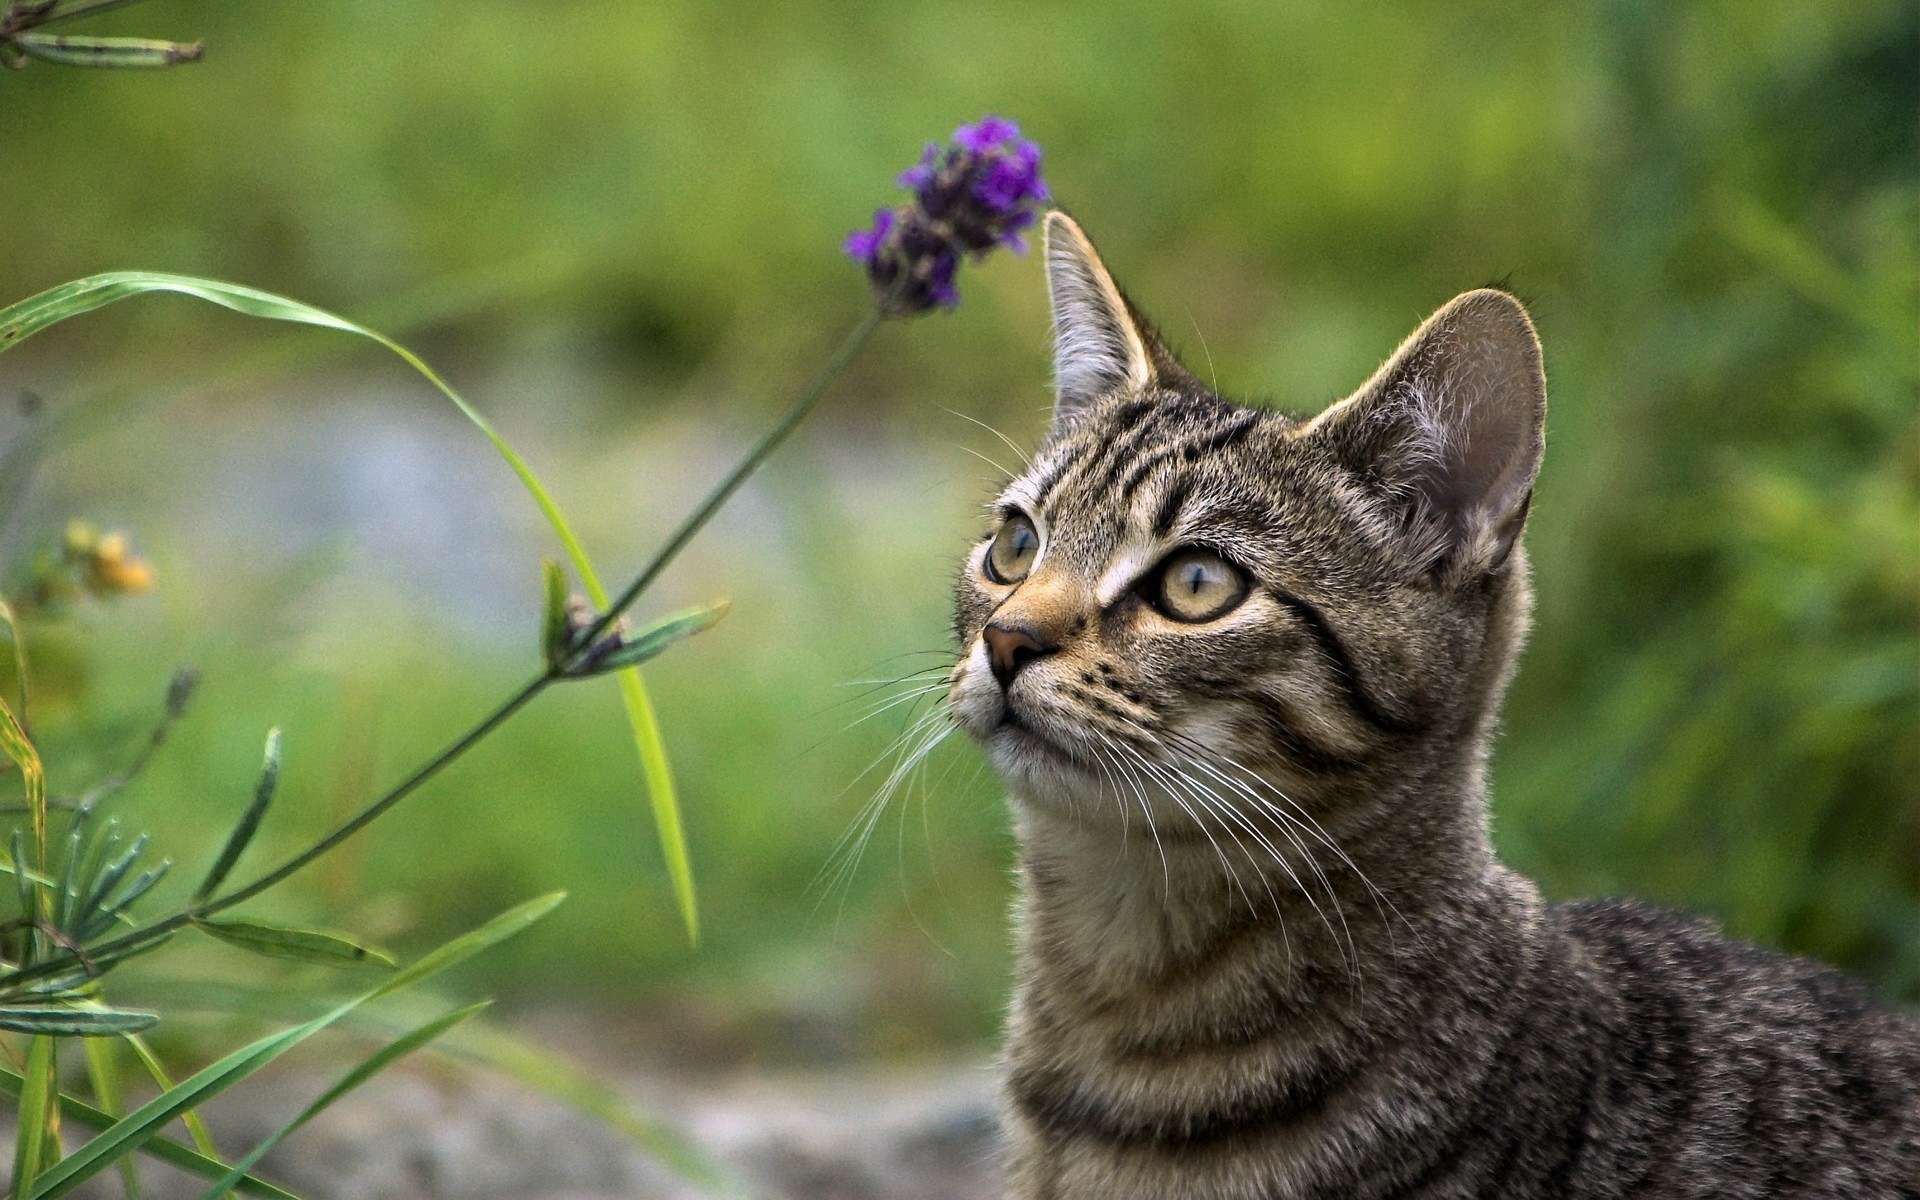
1447,436
1099,345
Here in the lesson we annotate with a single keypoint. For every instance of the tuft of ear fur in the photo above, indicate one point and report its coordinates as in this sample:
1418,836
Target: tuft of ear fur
1100,345
1447,436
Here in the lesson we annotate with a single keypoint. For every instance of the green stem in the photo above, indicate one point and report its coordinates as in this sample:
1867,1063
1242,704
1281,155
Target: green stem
524,695
769,442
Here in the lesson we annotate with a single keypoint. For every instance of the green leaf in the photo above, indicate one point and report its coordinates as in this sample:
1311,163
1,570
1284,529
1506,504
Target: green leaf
650,641
281,941
157,1071
28,317
137,1127
37,1094
249,820
108,51
170,1152
104,1079
379,1061
53,1020
554,638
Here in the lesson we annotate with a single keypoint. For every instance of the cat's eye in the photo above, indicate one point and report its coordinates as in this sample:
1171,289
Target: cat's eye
1014,548
1196,585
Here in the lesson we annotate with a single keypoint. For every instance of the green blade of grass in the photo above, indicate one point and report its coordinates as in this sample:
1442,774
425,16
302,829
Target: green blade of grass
28,317
128,1133
375,1063
170,1152
157,1071
19,643
32,1133
105,1082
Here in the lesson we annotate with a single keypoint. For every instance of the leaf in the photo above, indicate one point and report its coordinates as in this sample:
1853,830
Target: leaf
108,51
249,820
379,1061
16,745
157,1071
280,941
173,1153
19,643
54,1020
134,1129
36,1114
28,317
555,639
105,1082
650,641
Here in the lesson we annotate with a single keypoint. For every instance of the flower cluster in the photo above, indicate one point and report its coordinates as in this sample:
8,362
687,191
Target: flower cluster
91,563
969,197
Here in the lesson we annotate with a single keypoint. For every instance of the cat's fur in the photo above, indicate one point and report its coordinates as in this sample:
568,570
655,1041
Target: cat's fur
1266,950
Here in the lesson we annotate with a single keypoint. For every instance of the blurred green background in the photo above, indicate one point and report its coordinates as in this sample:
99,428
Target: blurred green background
615,227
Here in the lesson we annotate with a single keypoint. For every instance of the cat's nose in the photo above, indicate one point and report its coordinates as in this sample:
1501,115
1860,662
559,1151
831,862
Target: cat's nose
1011,645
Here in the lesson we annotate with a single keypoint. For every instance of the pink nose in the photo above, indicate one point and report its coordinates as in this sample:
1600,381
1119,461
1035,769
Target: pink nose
1011,646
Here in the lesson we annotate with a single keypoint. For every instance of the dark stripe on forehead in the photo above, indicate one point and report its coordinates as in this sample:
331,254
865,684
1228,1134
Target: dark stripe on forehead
1171,504
1125,448
1102,442
1342,662
1229,432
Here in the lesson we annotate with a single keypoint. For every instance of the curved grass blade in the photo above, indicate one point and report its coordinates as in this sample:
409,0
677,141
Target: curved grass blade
28,317
377,1062
554,638
249,820
19,643
16,745
170,1152
32,1130
303,945
139,1126
105,1082
52,1020
157,1071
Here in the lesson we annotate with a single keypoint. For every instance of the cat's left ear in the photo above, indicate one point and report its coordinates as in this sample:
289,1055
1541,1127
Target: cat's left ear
1100,345
1447,436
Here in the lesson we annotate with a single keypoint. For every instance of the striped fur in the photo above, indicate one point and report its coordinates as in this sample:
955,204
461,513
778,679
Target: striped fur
1266,950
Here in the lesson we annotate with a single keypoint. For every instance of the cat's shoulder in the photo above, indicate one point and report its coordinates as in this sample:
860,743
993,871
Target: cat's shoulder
1635,941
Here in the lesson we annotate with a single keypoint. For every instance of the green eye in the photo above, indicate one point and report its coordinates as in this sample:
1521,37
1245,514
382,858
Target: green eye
1014,548
1197,585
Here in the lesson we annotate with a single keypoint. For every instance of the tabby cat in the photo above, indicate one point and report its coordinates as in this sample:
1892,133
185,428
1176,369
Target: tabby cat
1241,671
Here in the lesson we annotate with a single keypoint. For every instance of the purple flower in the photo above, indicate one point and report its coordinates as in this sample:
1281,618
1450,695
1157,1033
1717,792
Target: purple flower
968,197
986,135
863,245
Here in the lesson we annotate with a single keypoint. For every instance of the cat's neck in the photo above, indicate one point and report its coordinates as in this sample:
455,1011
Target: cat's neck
1113,904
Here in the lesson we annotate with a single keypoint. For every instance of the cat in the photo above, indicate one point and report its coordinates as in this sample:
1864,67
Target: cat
1240,672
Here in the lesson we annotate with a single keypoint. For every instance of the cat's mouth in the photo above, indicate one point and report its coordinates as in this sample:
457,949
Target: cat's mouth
1023,736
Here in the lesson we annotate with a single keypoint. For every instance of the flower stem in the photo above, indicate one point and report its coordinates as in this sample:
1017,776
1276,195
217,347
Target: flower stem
150,934
769,441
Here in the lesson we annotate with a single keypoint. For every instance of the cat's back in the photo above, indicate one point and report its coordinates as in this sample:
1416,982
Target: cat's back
1727,1070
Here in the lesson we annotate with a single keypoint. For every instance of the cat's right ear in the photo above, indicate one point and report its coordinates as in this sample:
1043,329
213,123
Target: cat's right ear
1099,346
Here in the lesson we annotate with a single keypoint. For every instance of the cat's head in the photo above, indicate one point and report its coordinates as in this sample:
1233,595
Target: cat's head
1181,592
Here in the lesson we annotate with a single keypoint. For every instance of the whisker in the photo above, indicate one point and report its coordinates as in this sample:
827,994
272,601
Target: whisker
1011,444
